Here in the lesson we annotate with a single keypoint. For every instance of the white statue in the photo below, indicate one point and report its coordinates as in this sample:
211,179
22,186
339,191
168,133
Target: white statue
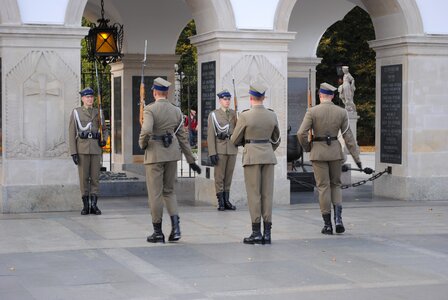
347,90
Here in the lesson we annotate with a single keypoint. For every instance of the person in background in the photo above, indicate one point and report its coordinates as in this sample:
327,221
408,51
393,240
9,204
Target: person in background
191,123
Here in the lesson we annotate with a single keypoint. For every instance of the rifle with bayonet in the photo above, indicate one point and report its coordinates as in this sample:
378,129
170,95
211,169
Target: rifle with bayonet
101,141
235,98
142,86
310,102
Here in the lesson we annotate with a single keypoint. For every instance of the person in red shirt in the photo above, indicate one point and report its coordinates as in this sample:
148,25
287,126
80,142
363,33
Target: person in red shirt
192,124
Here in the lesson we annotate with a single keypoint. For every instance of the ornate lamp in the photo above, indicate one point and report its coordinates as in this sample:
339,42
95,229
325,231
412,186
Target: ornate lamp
104,42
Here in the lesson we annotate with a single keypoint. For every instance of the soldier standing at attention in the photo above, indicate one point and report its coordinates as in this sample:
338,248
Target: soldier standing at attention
221,151
326,120
257,129
163,138
85,148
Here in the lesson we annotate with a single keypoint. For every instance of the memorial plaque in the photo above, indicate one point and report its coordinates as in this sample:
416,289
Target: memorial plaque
208,104
391,114
136,127
117,116
297,102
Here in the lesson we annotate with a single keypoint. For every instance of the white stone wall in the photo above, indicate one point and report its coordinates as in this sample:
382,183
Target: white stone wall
40,84
423,173
263,56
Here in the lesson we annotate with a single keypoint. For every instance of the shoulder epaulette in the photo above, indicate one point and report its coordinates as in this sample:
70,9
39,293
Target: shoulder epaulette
271,109
245,110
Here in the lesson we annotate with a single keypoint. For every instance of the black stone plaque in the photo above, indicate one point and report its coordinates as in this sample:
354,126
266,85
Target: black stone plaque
208,104
117,116
136,127
391,114
297,102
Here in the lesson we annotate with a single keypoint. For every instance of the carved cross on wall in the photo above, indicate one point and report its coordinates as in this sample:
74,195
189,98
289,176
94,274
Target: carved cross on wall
45,89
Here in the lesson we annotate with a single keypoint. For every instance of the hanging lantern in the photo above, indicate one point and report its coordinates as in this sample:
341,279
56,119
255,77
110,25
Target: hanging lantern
104,42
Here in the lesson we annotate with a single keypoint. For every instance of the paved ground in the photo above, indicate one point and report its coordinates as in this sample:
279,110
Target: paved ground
391,250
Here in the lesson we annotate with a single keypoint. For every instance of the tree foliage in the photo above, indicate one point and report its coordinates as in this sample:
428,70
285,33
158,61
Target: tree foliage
345,43
188,65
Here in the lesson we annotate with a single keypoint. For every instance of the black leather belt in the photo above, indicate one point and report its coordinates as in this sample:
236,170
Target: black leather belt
324,138
257,141
157,137
89,135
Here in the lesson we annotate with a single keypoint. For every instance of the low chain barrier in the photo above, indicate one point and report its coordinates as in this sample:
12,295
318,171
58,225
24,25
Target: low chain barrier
388,170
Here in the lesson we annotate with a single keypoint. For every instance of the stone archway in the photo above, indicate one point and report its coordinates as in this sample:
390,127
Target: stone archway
10,13
400,44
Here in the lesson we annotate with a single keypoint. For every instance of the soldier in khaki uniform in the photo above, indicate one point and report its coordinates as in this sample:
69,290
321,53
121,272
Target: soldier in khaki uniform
222,153
163,138
85,148
257,129
326,120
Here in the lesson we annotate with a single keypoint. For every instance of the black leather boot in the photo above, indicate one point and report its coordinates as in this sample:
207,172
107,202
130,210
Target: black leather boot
85,202
338,218
157,236
93,208
227,203
328,228
255,237
175,229
220,197
267,232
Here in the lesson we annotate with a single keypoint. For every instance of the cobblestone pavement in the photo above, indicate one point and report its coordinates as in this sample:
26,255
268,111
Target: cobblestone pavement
391,250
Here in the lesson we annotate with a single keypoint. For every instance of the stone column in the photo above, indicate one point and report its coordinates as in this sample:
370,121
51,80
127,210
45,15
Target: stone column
298,77
40,85
418,153
129,157
245,57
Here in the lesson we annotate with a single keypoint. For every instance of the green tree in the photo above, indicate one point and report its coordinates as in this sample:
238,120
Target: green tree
345,43
188,64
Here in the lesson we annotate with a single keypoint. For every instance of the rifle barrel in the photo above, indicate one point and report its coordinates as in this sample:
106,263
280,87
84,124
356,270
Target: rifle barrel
100,109
142,85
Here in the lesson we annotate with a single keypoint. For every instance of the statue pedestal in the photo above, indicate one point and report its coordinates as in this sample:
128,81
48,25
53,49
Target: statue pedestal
353,122
353,117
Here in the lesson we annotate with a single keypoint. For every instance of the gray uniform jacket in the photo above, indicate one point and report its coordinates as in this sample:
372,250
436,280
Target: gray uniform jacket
83,146
257,123
327,119
162,117
216,145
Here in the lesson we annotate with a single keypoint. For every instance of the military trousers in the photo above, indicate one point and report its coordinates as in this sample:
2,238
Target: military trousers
89,167
224,172
160,179
259,180
328,181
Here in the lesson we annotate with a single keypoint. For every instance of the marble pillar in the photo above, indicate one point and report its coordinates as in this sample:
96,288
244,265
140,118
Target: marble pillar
262,56
126,75
40,85
412,117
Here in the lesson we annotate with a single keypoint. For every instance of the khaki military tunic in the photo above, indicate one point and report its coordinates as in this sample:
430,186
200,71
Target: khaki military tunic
160,162
225,150
327,119
258,124
88,149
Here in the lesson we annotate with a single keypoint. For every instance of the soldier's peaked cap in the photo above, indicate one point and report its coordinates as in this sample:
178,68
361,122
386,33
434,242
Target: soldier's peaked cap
224,93
327,89
161,84
257,89
86,92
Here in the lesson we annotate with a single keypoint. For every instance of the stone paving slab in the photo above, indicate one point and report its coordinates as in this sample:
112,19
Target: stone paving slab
391,250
